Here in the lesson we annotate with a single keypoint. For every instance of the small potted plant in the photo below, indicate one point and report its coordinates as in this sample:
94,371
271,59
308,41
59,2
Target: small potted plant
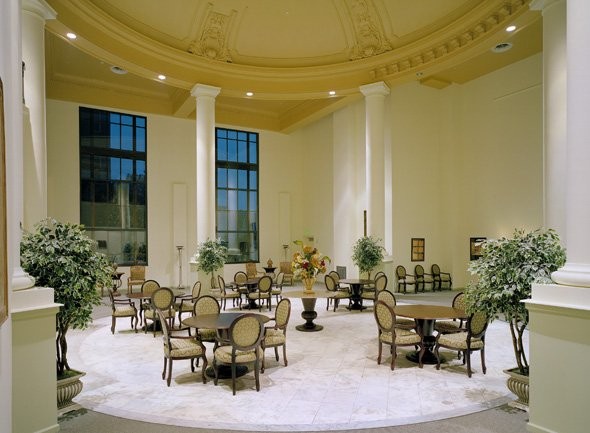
211,255
505,273
367,254
61,256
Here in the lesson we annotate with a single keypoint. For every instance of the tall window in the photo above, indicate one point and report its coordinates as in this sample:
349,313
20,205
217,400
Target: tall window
236,181
113,185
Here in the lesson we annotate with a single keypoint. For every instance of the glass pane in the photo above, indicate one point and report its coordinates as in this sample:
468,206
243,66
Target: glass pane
101,192
222,178
253,205
126,169
140,121
107,215
253,180
86,213
139,170
85,167
222,149
232,200
242,200
253,137
222,220
85,190
222,133
242,151
242,135
232,134
115,193
243,221
115,136
140,139
221,199
232,150
127,120
232,178
253,218
127,138
114,118
137,216
243,179
101,167
253,157
232,221
115,168
140,193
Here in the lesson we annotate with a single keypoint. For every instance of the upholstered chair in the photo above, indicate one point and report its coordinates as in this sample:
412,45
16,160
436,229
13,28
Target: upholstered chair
400,322
276,336
163,300
136,277
187,302
404,279
334,295
263,292
422,278
440,278
122,308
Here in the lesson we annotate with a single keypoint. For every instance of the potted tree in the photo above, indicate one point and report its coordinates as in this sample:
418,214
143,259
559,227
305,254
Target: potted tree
367,254
61,256
210,256
505,273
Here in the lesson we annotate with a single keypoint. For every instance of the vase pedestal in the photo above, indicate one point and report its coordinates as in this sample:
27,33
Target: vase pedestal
309,314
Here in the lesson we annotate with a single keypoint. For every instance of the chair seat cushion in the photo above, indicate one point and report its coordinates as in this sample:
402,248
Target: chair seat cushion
223,354
276,291
124,311
339,295
274,337
402,337
447,326
151,314
183,347
262,295
231,295
405,322
458,340
207,334
187,306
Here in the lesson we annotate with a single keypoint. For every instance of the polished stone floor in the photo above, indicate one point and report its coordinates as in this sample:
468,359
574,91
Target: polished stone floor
332,381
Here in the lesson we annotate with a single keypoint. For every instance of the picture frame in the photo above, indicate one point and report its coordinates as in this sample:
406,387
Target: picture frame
3,217
417,249
475,247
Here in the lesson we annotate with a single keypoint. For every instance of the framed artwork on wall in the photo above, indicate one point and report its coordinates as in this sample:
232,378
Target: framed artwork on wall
475,247
417,251
3,235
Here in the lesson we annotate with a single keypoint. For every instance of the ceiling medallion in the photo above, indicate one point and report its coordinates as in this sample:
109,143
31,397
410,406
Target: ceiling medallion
212,43
369,34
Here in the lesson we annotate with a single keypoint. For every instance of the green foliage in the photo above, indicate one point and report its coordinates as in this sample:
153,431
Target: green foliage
367,253
62,256
506,270
211,255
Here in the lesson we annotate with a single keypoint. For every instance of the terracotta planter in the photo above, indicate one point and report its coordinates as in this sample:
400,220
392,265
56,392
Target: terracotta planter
519,385
67,389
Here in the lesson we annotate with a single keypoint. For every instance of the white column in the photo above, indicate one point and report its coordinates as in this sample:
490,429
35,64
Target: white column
34,15
576,271
375,156
205,96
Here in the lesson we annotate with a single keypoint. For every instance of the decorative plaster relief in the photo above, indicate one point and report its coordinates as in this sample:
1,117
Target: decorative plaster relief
213,41
370,38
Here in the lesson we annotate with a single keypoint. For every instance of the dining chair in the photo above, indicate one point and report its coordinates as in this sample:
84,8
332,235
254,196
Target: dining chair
180,347
422,278
187,302
244,338
147,288
335,295
287,270
370,293
122,308
162,299
400,322
404,279
455,325
206,304
262,292
136,277
277,287
276,335
226,292
252,271
466,341
389,334
240,279
440,278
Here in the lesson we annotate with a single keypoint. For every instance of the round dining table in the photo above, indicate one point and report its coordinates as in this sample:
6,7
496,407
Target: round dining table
425,317
356,285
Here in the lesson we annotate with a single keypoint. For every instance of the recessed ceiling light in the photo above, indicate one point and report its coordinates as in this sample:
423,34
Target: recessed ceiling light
332,92
161,77
118,70
510,28
71,35
249,94
502,47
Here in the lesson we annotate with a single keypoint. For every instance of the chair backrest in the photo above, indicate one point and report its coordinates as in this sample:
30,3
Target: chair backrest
459,301
240,278
330,283
435,270
264,284
206,304
149,286
279,280
162,298
165,330
246,332
477,324
251,269
381,283
387,297
112,299
400,271
137,272
335,276
384,316
377,275
221,283
282,313
285,268
196,292
419,271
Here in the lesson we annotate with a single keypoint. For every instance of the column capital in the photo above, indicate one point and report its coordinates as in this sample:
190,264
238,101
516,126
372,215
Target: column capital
379,88
40,8
205,90
542,5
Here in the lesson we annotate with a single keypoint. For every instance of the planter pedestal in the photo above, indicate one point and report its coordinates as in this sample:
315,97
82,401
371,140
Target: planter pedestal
67,389
519,385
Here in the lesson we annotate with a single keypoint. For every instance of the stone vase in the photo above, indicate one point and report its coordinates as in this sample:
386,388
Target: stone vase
308,284
67,389
518,384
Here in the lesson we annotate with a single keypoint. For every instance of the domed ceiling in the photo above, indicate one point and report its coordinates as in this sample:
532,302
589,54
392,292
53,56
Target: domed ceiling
300,59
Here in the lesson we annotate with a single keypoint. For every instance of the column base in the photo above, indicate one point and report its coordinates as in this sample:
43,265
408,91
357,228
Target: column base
573,274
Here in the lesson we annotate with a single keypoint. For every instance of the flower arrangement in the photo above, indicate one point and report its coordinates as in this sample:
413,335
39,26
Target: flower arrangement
309,262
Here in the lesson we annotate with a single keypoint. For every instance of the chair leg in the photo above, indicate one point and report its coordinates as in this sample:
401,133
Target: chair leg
164,370
215,370
380,352
393,351
277,353
169,371
113,320
263,366
203,370
285,354
468,356
233,376
257,374
437,357
483,360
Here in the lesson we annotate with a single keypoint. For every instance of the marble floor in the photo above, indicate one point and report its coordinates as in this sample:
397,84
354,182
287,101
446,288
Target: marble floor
332,382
